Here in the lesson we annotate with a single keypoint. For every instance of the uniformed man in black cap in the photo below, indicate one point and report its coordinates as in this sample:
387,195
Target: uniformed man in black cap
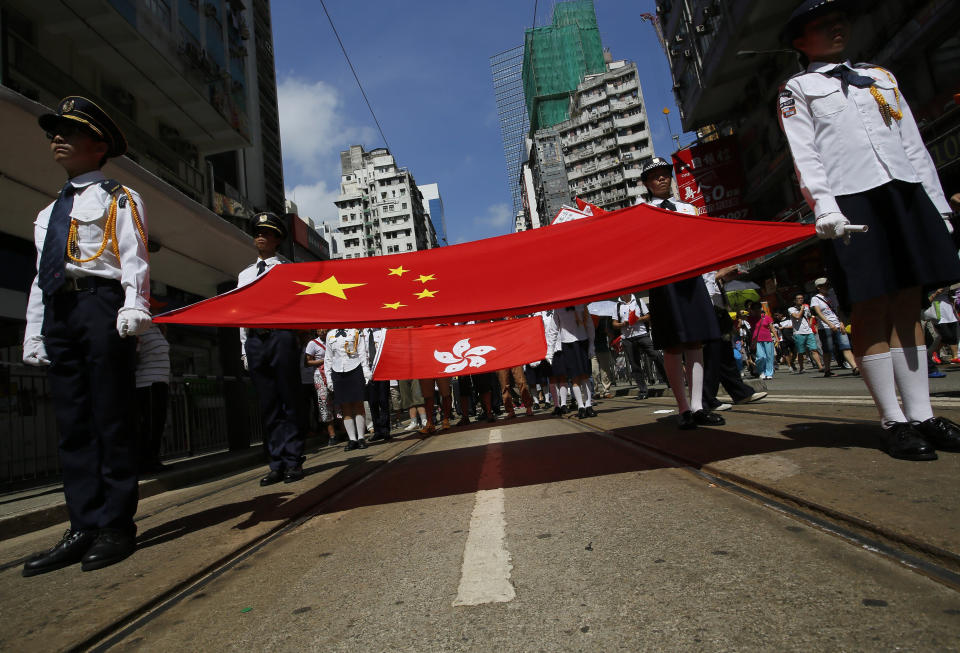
273,358
89,300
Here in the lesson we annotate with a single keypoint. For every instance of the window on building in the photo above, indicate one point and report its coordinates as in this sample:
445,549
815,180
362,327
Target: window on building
409,246
404,205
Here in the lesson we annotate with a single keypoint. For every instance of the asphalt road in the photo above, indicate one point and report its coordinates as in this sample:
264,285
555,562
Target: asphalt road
531,535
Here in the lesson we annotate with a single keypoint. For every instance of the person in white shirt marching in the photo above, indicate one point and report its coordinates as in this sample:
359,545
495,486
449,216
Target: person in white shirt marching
570,337
804,341
859,158
346,365
682,316
633,320
833,333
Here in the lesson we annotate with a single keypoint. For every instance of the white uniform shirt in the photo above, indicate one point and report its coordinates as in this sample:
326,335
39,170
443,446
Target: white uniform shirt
570,326
636,329
825,305
378,336
247,276
681,207
345,353
91,204
316,348
801,320
840,143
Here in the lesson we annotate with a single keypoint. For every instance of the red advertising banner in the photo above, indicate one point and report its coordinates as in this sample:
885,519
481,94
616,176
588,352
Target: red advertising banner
710,177
432,352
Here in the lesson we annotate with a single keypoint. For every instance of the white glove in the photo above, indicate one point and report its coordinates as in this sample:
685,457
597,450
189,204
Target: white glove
35,352
243,359
946,220
133,322
368,379
534,363
831,225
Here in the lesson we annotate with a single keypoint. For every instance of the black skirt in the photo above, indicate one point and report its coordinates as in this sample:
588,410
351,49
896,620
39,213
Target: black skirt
572,360
348,386
682,313
907,244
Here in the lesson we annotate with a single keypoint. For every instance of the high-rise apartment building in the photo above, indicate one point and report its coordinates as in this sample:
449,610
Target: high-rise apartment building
433,205
380,207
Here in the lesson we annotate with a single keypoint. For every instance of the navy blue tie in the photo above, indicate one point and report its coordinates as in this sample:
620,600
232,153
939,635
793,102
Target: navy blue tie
52,269
668,205
850,77
261,267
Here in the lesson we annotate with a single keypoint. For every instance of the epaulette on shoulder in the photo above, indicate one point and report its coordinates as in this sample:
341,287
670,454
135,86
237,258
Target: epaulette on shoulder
864,64
111,185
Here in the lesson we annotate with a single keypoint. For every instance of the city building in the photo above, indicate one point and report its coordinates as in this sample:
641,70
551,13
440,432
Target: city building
381,209
727,64
506,69
433,205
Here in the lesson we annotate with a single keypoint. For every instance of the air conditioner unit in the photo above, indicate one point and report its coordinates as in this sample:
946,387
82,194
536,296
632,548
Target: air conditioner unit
678,38
702,28
688,54
674,52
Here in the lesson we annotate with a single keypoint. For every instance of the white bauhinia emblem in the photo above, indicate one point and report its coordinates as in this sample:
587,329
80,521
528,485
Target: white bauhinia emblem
462,356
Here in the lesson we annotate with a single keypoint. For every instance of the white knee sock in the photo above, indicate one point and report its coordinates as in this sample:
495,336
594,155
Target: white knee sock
673,365
587,388
577,395
695,377
351,429
910,372
877,373
563,394
361,422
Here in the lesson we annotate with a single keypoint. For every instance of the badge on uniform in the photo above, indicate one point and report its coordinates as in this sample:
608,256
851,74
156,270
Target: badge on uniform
787,104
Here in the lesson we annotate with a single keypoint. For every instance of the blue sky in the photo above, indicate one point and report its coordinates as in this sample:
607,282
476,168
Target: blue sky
426,71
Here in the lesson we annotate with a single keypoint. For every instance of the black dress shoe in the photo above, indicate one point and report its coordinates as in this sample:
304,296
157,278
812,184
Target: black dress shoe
275,476
465,421
491,418
112,546
940,432
686,422
557,412
67,551
581,413
708,418
903,441
293,475
643,394
361,443
589,411
351,445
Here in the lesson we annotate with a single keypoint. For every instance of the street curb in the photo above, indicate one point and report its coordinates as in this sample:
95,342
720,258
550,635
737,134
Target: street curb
180,475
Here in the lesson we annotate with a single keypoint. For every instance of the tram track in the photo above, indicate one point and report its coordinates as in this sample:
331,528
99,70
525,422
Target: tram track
933,562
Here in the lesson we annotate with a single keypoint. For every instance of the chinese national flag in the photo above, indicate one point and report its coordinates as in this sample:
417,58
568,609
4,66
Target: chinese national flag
433,352
633,317
615,253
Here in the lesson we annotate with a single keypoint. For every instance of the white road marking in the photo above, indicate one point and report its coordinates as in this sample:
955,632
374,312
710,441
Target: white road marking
937,402
485,576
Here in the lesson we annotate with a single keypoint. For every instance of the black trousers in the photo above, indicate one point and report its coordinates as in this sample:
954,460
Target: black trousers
151,420
378,396
720,367
92,386
639,346
274,361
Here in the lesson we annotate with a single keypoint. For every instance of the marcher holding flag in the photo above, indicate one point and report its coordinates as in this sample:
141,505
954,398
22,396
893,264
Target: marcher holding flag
860,159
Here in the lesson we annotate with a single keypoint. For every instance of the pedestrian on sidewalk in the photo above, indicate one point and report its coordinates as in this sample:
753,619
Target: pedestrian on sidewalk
411,400
314,355
633,320
804,340
762,336
87,303
833,331
273,357
682,316
346,365
602,367
859,158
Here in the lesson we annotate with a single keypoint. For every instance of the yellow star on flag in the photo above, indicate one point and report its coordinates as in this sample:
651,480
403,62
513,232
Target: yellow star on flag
423,278
397,271
394,305
329,286
425,293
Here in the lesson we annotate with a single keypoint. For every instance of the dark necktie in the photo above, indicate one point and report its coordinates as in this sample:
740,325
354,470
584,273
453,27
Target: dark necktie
51,270
341,333
261,267
371,347
668,205
851,77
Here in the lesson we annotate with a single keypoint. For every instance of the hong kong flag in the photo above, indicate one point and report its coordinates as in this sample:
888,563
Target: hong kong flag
433,352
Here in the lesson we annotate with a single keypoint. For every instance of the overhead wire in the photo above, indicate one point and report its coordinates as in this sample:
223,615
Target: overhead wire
355,76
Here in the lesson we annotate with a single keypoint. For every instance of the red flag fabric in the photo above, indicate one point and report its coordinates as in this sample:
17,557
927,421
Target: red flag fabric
633,317
433,352
594,209
617,253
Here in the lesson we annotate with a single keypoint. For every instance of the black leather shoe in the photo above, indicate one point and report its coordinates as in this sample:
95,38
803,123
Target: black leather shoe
581,413
903,441
686,422
293,475
67,551
708,418
112,546
361,443
464,421
589,411
940,432
557,412
642,394
275,476
351,445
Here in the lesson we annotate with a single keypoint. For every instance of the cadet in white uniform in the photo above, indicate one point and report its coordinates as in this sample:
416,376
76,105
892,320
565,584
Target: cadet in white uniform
570,347
90,297
860,159
681,314
348,371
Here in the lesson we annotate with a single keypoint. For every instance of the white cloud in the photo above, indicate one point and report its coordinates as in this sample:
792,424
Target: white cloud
315,201
314,128
497,216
